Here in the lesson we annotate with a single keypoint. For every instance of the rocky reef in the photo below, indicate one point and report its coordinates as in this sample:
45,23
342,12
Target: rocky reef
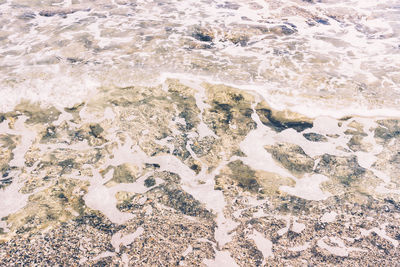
195,174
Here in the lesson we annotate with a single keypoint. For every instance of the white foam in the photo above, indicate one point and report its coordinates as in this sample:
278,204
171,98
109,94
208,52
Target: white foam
125,259
264,245
298,227
382,233
329,217
312,149
11,199
27,137
308,188
118,239
339,250
100,256
285,229
101,198
253,146
222,258
187,251
300,248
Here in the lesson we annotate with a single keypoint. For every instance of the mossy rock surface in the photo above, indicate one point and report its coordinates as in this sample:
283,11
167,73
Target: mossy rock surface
292,157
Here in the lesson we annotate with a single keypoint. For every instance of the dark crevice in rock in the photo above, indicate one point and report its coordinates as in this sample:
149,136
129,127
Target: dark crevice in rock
268,119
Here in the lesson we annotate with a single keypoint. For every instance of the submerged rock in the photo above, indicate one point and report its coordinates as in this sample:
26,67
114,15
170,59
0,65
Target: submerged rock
292,157
149,182
49,207
37,114
356,143
7,144
244,176
96,130
387,130
237,177
162,122
124,173
315,137
345,169
203,34
281,120
388,161
49,133
283,30
60,12
182,201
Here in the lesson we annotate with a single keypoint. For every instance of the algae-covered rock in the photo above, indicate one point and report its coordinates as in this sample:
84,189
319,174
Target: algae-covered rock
178,199
387,130
36,114
58,203
271,182
281,120
149,182
124,173
229,117
230,112
7,144
244,175
292,157
388,161
356,143
259,182
315,137
345,169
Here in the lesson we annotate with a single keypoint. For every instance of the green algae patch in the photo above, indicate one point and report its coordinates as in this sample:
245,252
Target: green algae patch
124,173
345,169
292,157
230,112
36,114
244,175
271,182
258,182
49,207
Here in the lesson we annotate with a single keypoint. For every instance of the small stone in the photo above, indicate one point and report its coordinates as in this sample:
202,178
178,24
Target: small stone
315,137
96,130
282,120
149,182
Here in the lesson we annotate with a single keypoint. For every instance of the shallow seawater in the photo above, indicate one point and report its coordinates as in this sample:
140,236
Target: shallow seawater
199,133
